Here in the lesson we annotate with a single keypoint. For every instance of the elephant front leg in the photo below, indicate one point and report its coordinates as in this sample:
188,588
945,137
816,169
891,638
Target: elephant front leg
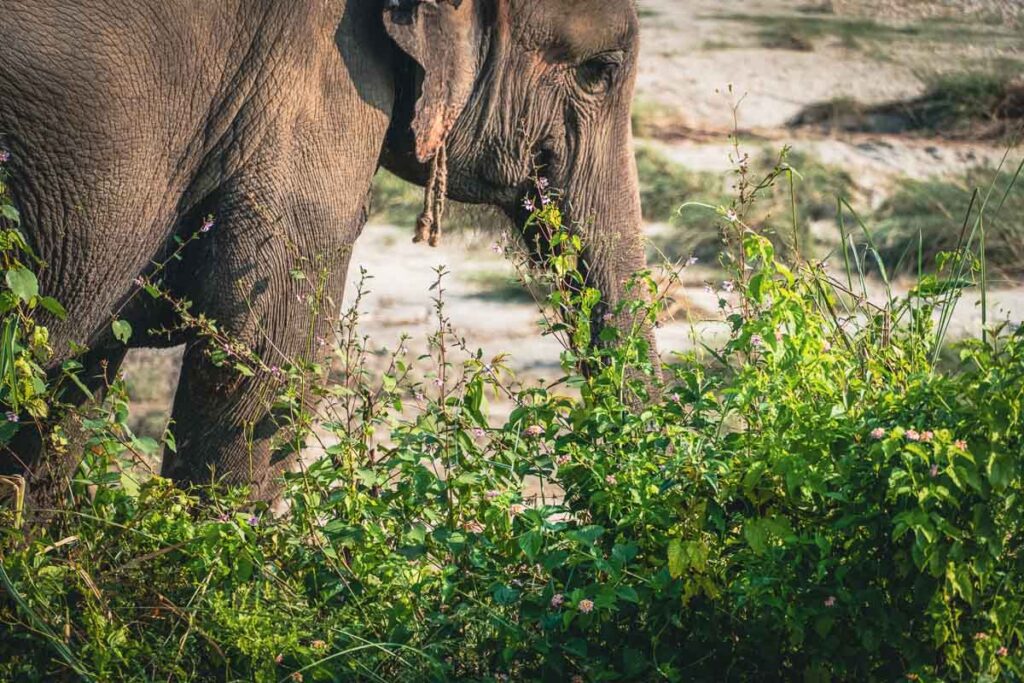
269,298
225,426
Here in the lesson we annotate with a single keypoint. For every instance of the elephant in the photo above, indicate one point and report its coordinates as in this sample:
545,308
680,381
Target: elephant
128,123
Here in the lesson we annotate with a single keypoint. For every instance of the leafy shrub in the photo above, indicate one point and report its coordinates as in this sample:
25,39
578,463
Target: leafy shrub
819,503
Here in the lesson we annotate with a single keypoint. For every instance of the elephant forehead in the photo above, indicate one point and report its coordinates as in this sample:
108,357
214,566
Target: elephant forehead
580,27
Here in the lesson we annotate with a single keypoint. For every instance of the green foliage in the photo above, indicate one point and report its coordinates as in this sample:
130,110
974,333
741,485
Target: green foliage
820,503
925,218
24,345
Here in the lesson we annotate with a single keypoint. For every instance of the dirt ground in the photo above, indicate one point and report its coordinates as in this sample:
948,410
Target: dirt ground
699,60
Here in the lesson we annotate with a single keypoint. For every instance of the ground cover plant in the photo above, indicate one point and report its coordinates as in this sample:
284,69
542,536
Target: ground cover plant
987,103
812,499
802,32
919,221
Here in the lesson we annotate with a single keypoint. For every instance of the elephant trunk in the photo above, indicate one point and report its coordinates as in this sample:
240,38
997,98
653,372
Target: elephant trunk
603,200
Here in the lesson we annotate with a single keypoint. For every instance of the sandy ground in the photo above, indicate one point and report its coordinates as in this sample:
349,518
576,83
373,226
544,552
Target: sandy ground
698,61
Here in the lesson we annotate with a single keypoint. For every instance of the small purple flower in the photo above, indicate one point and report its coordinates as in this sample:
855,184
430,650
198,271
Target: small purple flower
496,248
529,204
608,317
830,601
542,183
479,433
731,216
5,156
757,341
438,382
207,225
533,431
491,495
224,517
545,200
557,600
139,281
254,521
11,416
728,286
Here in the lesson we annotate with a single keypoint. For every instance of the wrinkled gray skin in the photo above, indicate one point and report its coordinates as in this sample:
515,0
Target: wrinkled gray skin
128,121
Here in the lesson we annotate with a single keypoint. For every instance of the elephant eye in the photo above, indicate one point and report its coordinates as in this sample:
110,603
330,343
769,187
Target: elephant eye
597,74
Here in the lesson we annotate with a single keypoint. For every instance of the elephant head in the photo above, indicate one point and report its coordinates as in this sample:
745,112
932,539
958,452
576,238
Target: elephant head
507,89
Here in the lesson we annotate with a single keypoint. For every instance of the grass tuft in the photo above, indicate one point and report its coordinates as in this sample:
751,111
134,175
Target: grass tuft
975,104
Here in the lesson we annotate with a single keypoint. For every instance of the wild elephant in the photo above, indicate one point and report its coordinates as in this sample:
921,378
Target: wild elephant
129,122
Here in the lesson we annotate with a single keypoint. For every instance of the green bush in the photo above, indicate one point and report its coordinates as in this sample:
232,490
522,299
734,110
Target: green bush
819,502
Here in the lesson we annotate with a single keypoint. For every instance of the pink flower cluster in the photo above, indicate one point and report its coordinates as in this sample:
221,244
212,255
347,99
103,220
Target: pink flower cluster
534,431
914,435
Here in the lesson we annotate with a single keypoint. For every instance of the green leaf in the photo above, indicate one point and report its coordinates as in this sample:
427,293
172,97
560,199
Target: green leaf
243,568
54,307
1000,470
122,330
10,213
530,543
23,283
676,558
627,593
959,577
243,370
505,595
756,535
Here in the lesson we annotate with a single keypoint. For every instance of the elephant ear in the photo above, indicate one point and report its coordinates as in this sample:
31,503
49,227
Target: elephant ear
443,36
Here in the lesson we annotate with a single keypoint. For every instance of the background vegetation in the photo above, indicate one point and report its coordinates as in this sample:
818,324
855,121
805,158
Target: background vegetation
814,498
